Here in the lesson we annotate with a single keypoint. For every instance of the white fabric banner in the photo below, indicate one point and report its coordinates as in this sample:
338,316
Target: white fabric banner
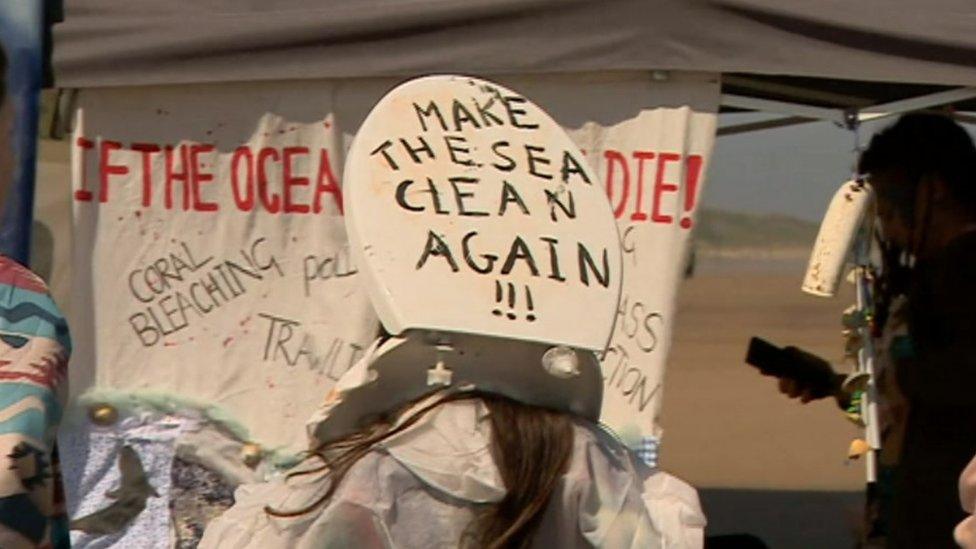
211,262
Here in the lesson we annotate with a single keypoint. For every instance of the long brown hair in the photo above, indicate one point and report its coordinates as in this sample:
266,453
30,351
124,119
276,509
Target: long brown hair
532,447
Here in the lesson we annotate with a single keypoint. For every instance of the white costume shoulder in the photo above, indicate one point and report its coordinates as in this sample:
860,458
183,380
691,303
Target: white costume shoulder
424,486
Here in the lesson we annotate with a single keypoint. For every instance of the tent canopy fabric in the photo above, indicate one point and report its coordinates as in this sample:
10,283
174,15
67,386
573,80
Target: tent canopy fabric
147,42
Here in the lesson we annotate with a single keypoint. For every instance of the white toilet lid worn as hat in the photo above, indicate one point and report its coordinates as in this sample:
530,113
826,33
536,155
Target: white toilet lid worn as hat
488,249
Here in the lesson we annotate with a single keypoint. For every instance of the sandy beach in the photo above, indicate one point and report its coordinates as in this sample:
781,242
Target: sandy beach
764,464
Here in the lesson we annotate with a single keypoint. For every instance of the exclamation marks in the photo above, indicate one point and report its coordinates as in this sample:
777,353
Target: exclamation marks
693,167
507,294
500,297
511,302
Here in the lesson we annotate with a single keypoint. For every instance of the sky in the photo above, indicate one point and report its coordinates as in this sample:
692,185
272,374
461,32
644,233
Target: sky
790,171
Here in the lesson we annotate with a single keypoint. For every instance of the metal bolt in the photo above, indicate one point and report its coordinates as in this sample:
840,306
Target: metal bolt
103,414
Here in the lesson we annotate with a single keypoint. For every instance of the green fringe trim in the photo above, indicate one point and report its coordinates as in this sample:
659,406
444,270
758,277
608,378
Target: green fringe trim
131,402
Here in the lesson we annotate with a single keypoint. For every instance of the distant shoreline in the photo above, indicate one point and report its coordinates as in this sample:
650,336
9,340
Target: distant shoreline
789,262
754,253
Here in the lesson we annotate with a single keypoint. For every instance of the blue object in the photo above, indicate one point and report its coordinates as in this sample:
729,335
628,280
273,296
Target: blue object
647,451
21,33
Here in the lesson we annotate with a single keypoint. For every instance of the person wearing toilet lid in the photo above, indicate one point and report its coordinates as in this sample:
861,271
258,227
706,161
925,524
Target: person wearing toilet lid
493,261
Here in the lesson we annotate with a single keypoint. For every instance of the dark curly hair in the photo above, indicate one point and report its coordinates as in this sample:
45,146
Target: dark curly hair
917,146
921,145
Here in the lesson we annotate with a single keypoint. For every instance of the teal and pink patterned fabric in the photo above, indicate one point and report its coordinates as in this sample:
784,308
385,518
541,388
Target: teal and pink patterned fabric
34,350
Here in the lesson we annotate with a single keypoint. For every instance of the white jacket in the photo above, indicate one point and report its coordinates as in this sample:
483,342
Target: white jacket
422,488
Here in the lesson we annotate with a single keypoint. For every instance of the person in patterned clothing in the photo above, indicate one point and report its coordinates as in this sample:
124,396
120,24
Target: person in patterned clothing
34,350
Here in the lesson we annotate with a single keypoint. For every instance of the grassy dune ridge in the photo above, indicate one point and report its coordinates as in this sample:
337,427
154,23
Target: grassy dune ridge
720,232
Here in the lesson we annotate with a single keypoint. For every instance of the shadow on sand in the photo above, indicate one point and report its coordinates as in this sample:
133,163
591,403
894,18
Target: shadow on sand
784,518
